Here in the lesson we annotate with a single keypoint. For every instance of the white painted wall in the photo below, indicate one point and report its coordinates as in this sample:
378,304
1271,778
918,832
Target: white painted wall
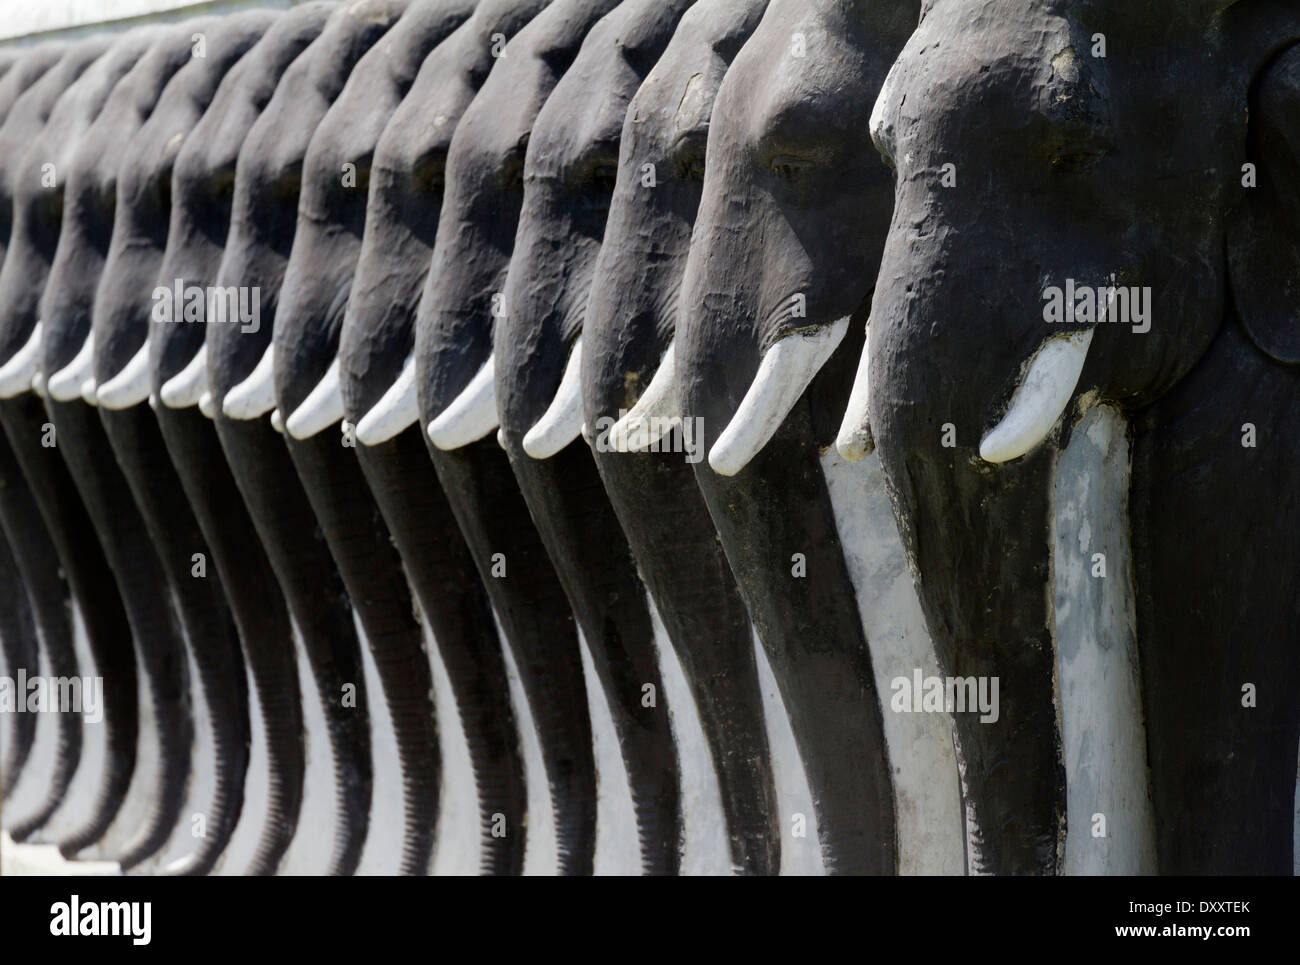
22,21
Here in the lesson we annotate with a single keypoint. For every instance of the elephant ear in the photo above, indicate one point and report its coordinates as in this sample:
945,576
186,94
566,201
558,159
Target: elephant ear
1264,234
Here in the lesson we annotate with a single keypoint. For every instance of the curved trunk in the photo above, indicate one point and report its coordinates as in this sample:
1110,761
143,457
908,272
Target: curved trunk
37,635
981,539
372,572
78,553
538,627
453,601
18,636
320,608
596,568
160,645
673,541
265,632
811,630
201,605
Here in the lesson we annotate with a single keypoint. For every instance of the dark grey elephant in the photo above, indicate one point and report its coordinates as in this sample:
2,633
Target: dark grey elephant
629,321
454,380
1121,177
45,607
39,495
268,181
569,174
185,300
121,321
312,303
757,367
375,345
65,310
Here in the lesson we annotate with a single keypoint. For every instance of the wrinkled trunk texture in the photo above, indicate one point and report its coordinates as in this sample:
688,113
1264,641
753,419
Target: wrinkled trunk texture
372,572
538,627
596,568
155,627
456,607
79,555
321,610
265,632
676,548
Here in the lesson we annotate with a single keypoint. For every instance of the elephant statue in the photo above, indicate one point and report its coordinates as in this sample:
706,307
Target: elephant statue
1143,157
147,757
636,277
184,301
375,343
55,562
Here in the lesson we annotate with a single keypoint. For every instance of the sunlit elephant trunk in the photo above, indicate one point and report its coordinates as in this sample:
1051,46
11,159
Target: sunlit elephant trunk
978,537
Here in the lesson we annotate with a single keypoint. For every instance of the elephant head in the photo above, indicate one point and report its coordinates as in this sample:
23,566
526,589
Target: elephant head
405,197
36,135
569,173
332,214
1075,226
185,302
482,198
268,180
629,321
792,203
89,205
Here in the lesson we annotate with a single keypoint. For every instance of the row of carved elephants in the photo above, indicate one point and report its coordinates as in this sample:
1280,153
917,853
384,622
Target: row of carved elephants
586,285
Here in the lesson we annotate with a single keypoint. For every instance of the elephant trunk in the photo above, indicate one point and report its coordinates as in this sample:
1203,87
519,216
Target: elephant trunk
159,642
673,540
460,618
319,606
538,627
265,632
979,537
107,630
371,570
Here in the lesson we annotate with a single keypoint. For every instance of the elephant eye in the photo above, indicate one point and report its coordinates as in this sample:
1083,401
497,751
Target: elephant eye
604,176
789,168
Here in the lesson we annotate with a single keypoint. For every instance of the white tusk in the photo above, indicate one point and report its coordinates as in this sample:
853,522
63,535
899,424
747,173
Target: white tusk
255,396
655,413
130,386
16,375
1040,398
153,401
855,441
89,392
65,384
38,385
501,438
398,408
187,386
321,409
277,421
206,405
561,423
784,373
472,414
